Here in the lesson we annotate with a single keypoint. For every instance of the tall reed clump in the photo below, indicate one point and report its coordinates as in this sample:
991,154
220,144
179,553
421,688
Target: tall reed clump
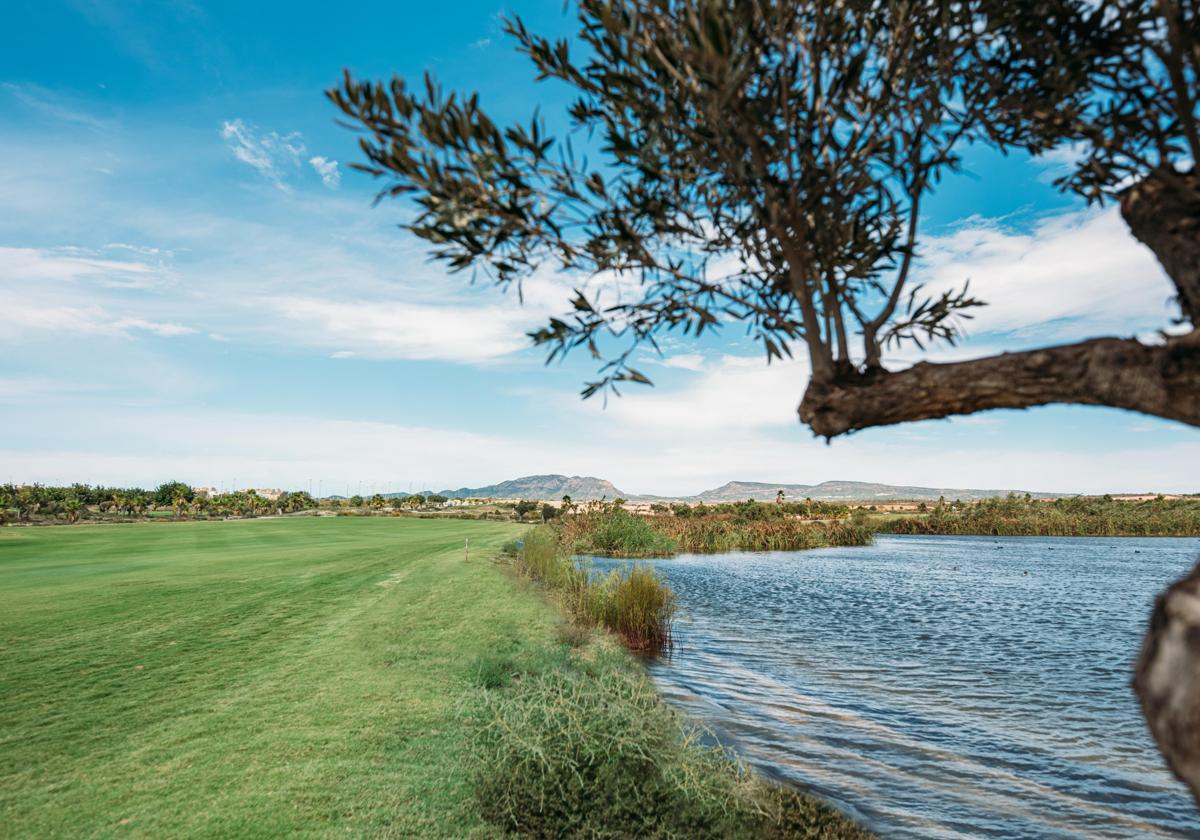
728,532
634,603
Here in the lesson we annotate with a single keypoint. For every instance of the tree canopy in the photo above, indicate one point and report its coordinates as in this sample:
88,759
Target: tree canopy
764,163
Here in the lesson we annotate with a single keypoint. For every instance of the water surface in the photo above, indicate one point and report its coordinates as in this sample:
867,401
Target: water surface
938,686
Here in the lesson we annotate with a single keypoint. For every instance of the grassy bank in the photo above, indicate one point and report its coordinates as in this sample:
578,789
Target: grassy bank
1019,516
326,677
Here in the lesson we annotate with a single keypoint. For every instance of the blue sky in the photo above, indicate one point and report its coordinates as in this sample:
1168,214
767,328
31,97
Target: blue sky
193,284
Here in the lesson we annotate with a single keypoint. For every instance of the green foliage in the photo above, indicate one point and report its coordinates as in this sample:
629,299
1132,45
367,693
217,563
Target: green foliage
614,531
1069,517
167,492
572,754
740,526
633,603
523,507
590,750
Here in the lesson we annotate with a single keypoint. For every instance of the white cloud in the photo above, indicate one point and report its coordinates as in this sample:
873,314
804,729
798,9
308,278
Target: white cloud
1073,276
328,170
731,394
403,330
156,327
69,291
21,317
271,153
33,265
683,361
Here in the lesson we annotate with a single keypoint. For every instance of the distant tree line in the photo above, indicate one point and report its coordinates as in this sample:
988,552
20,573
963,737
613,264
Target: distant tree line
1020,516
71,503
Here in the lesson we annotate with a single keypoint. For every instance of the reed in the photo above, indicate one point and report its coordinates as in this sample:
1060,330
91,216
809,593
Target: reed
746,526
634,603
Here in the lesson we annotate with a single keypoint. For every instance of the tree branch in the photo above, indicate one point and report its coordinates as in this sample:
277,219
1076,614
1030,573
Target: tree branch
1162,380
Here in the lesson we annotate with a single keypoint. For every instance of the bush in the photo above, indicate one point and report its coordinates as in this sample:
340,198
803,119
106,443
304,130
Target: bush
617,533
634,603
573,754
586,748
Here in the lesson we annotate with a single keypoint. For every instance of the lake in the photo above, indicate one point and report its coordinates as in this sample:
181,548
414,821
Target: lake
937,686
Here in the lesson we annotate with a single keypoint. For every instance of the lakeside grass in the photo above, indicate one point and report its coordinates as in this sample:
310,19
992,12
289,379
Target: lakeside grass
334,677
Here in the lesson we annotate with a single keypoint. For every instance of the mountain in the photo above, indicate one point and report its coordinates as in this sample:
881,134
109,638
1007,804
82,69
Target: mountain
854,491
583,488
578,487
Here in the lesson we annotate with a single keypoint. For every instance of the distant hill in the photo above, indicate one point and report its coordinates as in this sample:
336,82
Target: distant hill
578,487
856,491
583,488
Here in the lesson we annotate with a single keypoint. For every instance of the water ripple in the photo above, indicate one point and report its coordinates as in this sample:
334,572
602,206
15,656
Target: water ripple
938,686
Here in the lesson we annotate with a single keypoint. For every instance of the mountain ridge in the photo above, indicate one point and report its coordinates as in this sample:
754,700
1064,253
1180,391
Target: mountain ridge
553,486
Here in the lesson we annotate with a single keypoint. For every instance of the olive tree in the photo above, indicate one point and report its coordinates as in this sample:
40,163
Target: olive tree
765,162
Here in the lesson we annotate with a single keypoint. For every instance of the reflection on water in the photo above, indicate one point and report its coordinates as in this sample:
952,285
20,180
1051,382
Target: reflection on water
938,686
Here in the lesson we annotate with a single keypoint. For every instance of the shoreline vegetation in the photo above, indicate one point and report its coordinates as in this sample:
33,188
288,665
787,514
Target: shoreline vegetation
317,676
591,749
1021,516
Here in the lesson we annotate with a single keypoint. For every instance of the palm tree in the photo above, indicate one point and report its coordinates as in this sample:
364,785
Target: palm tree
200,505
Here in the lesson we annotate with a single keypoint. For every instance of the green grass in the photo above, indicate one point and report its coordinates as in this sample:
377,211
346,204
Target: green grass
293,677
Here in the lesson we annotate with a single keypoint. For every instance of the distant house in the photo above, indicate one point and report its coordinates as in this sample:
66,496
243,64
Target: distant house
271,493
206,491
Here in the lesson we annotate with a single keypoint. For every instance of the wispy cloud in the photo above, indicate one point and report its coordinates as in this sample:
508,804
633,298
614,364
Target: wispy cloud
53,105
270,153
71,291
328,170
398,329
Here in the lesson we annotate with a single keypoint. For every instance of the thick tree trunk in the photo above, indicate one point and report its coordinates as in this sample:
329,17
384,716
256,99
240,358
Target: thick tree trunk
1167,678
1163,212
1163,380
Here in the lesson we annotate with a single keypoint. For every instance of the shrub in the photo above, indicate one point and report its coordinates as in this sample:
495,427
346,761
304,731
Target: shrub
576,754
585,747
634,603
618,533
